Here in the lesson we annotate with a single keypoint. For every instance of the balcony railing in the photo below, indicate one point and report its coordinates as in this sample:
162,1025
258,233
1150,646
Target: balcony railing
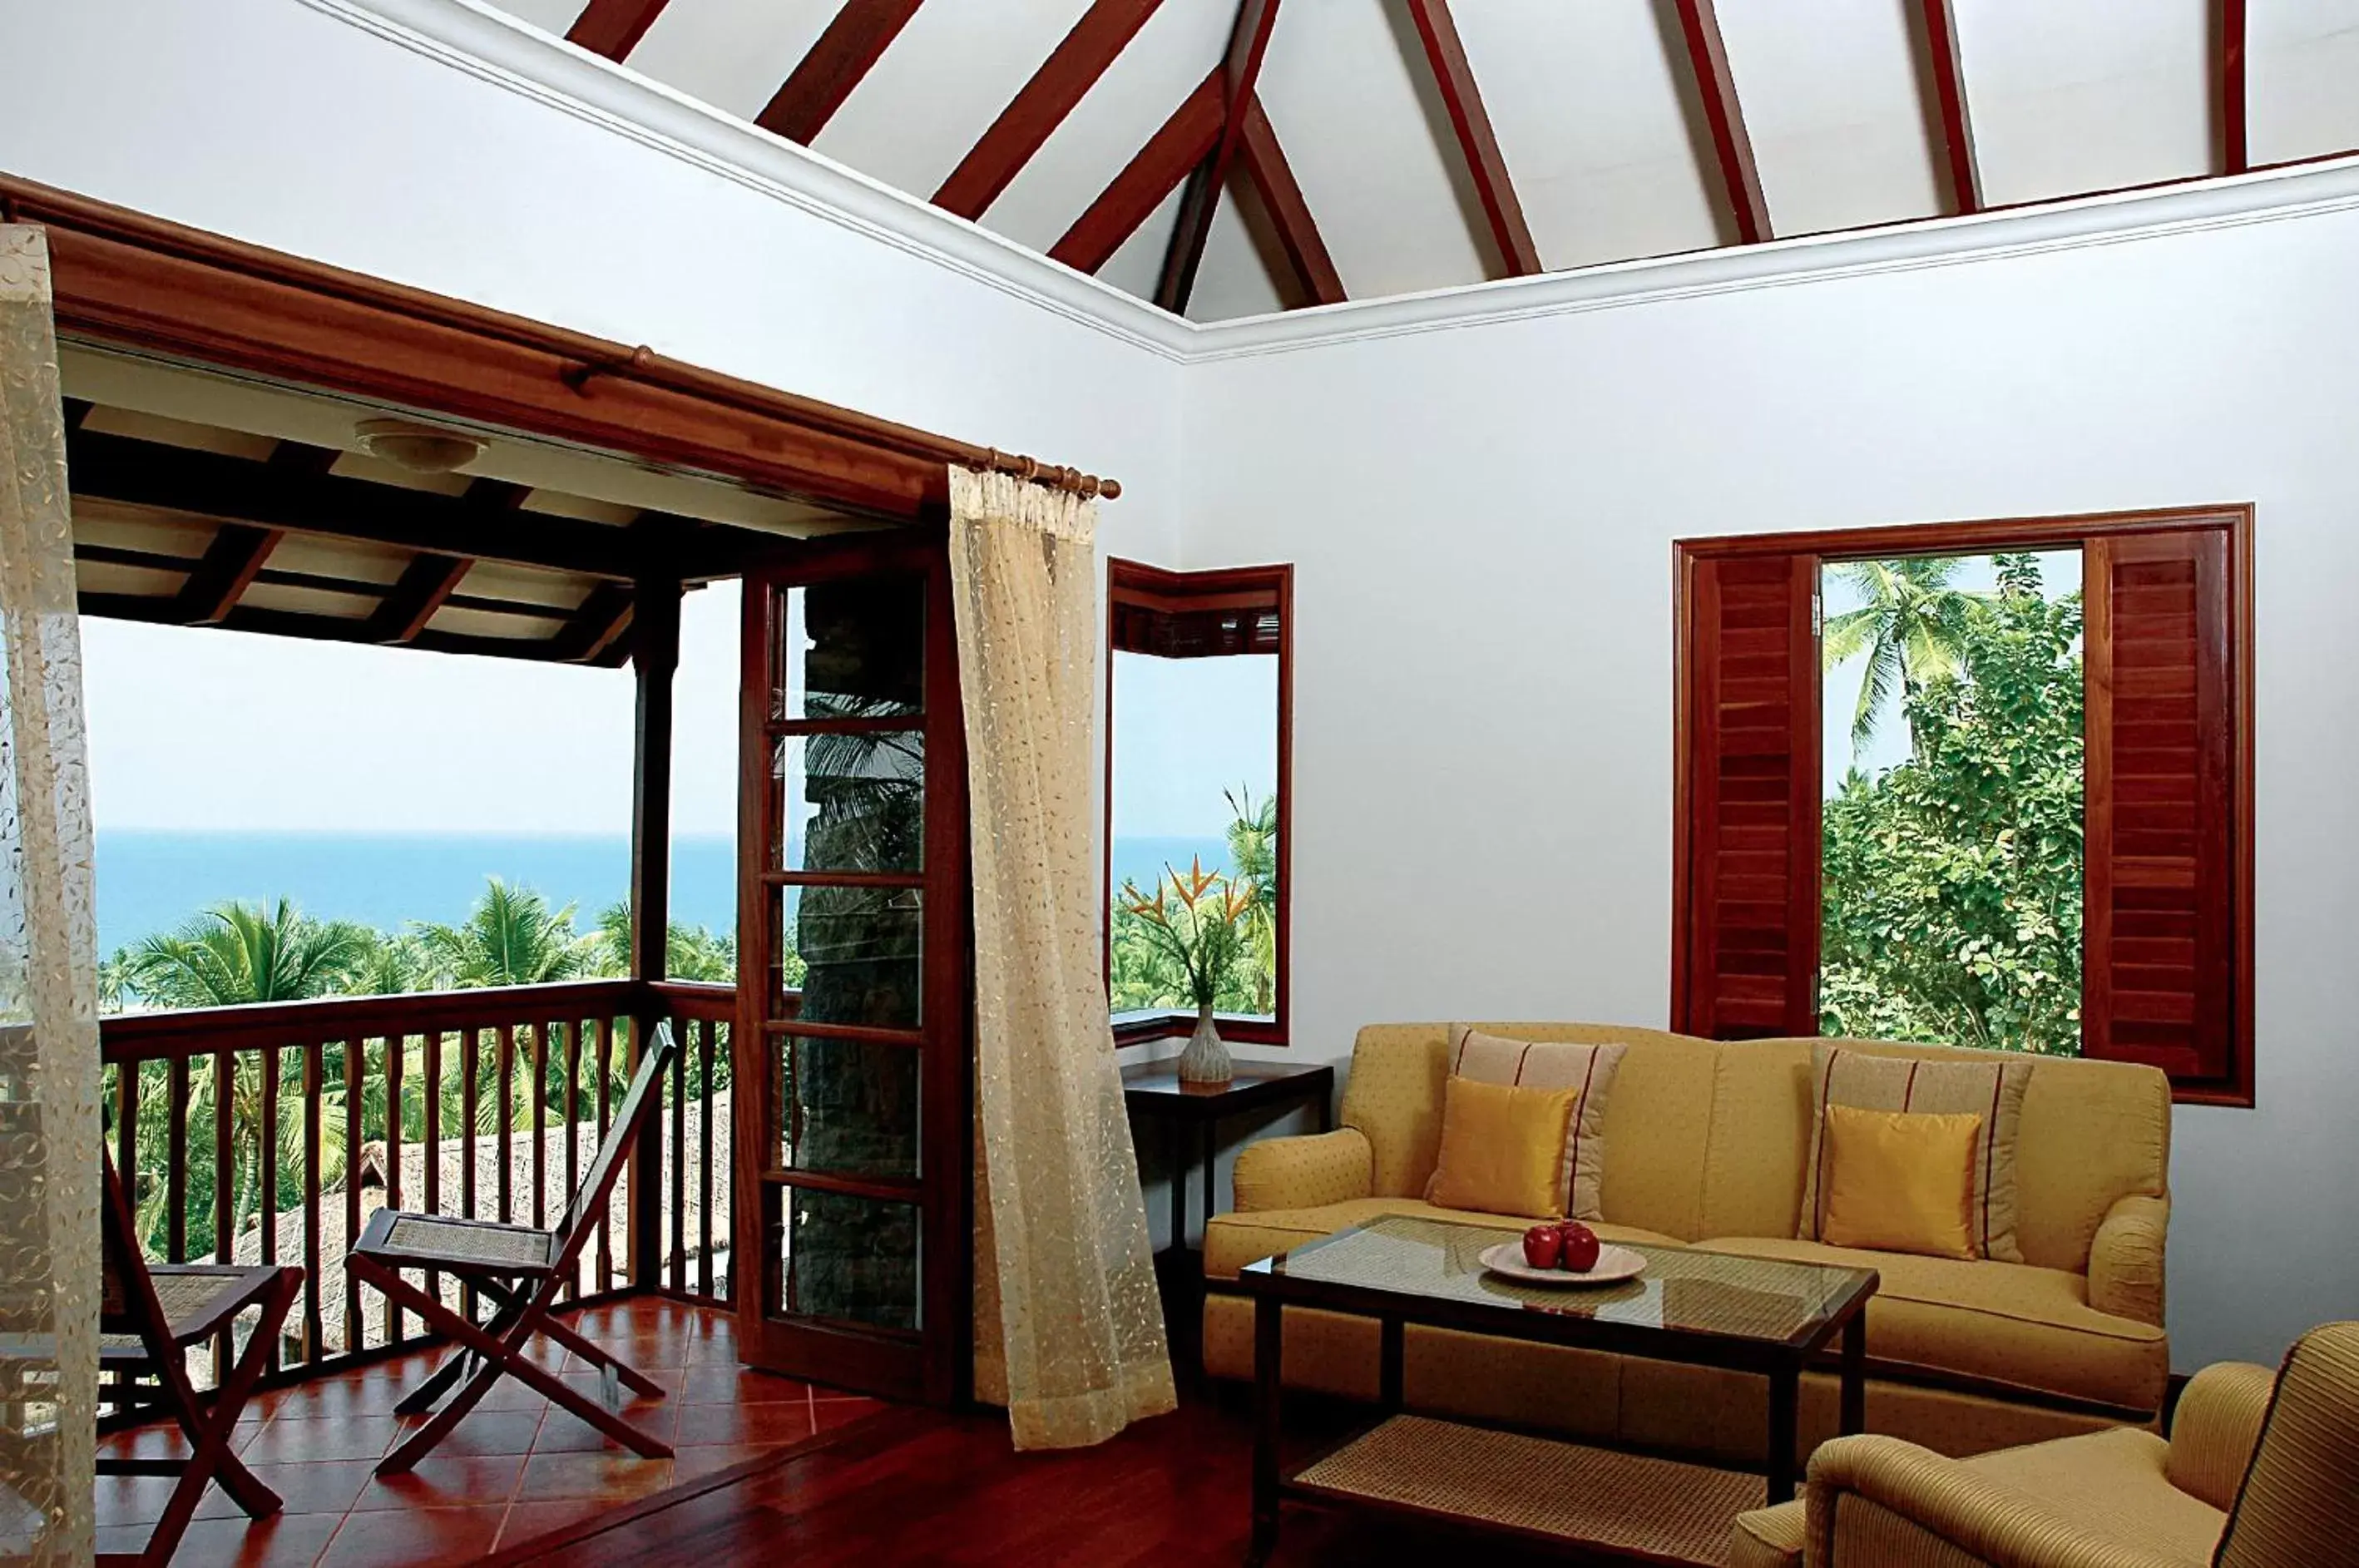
268,1133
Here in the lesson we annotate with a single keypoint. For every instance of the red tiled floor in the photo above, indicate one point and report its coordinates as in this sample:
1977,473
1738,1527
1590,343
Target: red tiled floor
513,1469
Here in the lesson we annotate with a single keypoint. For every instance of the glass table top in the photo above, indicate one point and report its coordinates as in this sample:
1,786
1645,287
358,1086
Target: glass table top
1684,1291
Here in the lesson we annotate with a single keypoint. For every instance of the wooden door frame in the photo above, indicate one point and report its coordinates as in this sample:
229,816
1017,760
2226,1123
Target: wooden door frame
945,1338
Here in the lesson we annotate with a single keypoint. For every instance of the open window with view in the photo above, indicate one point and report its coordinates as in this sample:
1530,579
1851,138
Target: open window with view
1981,784
1198,690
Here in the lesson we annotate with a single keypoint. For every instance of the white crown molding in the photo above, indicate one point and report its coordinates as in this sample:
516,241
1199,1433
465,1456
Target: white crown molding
495,47
471,35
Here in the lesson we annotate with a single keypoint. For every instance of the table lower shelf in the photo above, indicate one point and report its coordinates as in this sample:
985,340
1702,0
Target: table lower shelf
1659,1509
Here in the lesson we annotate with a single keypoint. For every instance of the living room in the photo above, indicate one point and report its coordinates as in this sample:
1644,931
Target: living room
1491,493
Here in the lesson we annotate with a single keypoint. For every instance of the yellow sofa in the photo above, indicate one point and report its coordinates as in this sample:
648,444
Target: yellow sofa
1705,1145
2259,1472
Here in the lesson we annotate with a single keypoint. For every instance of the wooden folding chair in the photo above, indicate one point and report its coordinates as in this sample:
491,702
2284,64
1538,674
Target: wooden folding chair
521,1269
149,1317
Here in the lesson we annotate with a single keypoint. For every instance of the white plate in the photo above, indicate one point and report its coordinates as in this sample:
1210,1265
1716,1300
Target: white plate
1614,1264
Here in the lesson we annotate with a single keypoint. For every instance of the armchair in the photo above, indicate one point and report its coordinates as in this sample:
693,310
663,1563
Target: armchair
2257,1472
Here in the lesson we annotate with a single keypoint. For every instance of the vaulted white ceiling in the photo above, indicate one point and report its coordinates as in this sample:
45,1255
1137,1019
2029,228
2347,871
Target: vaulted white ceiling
1599,110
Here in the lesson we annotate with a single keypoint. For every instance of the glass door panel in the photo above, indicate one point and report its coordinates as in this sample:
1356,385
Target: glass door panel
852,1184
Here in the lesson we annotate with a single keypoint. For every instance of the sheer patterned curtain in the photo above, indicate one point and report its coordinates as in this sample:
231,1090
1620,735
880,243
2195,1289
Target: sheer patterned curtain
48,988
1069,1331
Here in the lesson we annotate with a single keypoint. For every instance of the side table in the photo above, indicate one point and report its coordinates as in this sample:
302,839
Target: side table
1153,1091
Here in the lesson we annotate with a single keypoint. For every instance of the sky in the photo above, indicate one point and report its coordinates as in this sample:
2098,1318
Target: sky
198,728
204,729
1186,729
2059,573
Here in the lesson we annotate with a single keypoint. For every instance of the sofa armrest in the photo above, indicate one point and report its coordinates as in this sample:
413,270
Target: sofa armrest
2216,1429
1876,1500
1304,1172
2126,1274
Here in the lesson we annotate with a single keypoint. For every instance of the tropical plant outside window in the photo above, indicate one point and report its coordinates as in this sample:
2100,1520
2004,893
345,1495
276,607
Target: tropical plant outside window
1952,821
1194,858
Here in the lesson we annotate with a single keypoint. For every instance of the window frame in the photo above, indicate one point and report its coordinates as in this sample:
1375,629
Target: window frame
1984,538
1135,584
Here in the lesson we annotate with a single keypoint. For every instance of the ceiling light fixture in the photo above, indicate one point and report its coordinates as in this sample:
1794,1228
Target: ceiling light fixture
421,448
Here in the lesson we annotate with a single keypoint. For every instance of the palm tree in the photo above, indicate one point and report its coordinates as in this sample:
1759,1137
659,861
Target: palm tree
510,938
235,954
1909,624
1253,858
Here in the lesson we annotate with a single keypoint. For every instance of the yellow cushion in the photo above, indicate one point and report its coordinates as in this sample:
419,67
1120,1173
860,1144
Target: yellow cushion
1552,1065
1990,1085
1503,1148
1995,1325
1901,1182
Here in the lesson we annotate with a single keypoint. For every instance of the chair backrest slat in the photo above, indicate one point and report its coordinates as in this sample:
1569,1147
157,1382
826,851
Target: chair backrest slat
589,1199
128,1303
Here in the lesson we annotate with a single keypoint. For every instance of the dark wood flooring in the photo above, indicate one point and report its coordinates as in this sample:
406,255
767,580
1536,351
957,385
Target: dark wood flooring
915,1486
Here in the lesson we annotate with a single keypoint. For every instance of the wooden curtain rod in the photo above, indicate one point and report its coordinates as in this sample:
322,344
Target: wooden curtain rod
223,328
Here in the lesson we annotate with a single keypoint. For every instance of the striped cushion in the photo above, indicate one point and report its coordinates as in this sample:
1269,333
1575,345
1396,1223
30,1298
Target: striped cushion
1531,1064
1992,1089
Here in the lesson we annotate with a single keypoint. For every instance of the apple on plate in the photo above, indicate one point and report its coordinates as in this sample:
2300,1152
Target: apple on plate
1577,1248
1543,1246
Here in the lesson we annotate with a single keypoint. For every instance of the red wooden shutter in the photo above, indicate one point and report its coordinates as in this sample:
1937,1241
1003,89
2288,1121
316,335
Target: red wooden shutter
1747,961
2161,886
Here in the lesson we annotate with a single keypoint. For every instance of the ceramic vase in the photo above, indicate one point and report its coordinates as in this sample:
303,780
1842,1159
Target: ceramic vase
1206,1060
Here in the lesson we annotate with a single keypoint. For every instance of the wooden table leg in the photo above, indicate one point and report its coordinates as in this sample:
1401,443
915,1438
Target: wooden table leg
1179,1184
1211,1173
1267,1385
1785,1385
1855,1375
1388,1363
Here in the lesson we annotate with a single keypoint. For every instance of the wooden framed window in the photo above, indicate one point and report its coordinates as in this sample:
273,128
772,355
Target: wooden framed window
1200,699
2165,843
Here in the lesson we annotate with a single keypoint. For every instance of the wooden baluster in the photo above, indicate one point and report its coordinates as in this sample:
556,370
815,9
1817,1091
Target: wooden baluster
393,1043
126,1128
606,1218
572,1137
354,1335
705,1155
267,1177
314,1146
176,1166
506,1089
680,1170
471,1049
539,1125
224,1185
430,1150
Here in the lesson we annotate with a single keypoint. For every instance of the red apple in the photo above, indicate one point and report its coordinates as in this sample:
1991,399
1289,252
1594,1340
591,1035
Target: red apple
1542,1245
1576,1248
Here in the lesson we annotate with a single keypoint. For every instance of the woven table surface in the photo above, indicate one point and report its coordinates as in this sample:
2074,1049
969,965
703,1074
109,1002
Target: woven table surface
1628,1502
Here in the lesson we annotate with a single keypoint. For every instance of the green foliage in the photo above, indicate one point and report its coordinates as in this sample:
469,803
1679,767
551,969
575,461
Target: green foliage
234,953
1159,965
1952,881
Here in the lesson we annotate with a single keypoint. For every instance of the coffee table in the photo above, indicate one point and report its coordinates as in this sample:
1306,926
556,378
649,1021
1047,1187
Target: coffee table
1706,1308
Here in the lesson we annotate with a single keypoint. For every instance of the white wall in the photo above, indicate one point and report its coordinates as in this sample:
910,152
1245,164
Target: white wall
1481,522
272,122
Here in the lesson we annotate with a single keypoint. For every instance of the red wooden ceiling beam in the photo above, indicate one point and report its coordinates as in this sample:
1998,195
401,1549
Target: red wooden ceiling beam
613,28
1472,121
1248,43
1949,97
1700,26
1033,115
424,586
230,565
2237,156
853,43
1298,232
1193,131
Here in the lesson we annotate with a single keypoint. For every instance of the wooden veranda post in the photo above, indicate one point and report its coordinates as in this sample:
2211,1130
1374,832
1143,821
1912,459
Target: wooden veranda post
654,657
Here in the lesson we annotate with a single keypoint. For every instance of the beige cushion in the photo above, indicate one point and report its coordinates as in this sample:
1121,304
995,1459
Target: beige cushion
1999,1325
1550,1065
1992,1089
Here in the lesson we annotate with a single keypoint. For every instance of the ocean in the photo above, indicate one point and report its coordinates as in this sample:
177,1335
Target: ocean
153,881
